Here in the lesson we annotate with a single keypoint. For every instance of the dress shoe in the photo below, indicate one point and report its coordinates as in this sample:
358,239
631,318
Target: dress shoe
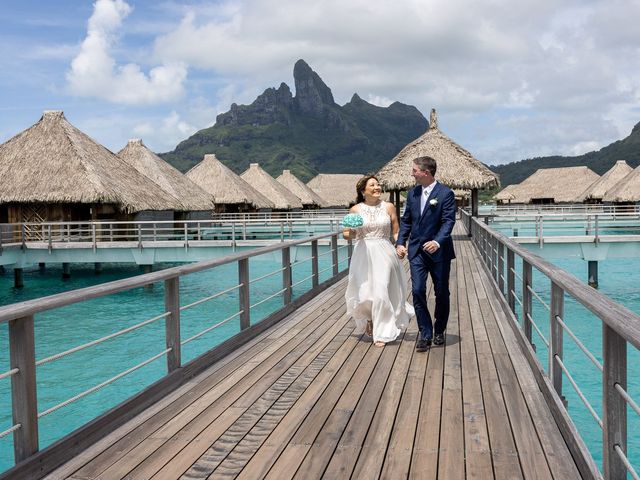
422,345
438,339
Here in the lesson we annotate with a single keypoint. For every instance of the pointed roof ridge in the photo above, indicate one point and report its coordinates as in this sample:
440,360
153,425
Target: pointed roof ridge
457,168
626,190
598,189
227,187
281,196
300,189
169,178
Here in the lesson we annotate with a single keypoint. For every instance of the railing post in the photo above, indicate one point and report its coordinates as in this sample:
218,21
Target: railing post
172,322
556,310
501,266
93,236
349,250
614,408
334,254
511,279
186,236
527,281
23,387
243,280
314,263
140,236
24,236
286,274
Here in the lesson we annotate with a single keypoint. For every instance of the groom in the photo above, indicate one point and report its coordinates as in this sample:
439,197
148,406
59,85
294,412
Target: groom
427,223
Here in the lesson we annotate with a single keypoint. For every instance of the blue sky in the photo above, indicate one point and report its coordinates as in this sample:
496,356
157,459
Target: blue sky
509,82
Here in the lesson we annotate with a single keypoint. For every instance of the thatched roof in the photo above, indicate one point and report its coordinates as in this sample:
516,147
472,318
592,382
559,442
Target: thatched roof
336,189
607,181
226,187
191,196
296,186
54,162
507,194
270,188
456,166
562,185
626,190
461,193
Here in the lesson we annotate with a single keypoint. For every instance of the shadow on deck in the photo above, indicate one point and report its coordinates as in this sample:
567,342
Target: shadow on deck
310,399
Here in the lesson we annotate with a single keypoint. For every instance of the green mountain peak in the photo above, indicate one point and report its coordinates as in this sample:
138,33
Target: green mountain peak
307,133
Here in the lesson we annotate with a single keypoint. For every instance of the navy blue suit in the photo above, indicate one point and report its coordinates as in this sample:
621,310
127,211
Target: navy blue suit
434,223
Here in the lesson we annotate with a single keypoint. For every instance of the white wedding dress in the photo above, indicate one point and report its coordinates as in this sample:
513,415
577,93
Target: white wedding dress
377,288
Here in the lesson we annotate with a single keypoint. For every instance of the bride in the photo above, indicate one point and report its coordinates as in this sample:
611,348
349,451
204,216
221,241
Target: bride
377,289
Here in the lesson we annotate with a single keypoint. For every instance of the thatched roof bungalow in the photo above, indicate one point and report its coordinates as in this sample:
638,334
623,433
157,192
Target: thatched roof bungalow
507,195
191,196
231,193
308,197
54,172
338,190
554,185
596,191
282,198
626,190
457,168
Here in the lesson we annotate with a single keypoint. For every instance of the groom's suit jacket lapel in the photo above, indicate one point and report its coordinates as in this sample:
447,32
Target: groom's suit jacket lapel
427,207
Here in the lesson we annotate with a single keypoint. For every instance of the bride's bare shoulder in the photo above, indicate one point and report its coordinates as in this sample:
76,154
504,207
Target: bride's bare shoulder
355,208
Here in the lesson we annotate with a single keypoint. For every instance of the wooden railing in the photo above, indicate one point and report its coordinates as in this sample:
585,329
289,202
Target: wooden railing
580,208
144,233
620,328
21,318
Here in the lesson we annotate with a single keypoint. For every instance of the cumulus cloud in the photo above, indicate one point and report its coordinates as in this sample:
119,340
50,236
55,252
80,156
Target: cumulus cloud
95,73
568,63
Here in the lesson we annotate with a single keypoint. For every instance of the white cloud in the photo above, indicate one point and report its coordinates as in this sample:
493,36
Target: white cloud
95,73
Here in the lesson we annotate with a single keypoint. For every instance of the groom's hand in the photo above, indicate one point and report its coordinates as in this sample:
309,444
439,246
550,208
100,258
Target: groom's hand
401,250
431,246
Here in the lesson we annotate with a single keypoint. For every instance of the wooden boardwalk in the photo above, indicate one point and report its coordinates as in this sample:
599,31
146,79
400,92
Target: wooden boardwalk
309,399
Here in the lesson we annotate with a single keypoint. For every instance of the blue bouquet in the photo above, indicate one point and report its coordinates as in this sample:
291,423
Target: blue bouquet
352,220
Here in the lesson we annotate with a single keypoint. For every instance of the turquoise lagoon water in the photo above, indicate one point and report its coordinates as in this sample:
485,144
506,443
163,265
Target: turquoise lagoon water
65,328
619,279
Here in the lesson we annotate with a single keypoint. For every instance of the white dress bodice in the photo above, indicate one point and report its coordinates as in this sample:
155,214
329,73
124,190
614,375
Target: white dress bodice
377,222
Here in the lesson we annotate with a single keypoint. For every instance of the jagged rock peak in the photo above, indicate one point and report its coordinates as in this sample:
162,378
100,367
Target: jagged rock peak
636,128
311,92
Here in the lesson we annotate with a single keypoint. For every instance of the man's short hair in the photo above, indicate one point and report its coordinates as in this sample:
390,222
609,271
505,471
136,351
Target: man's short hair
426,163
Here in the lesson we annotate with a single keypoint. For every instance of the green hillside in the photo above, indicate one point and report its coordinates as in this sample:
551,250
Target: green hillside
627,149
307,133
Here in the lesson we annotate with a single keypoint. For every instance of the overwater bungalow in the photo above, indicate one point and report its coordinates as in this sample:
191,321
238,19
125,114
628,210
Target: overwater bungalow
457,168
191,196
308,197
626,191
554,185
596,191
282,198
231,193
338,190
507,195
54,172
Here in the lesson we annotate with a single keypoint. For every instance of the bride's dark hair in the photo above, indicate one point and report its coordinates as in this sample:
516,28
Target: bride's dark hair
362,184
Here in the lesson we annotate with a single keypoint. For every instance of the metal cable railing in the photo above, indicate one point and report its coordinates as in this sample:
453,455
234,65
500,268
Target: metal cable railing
580,345
213,327
578,391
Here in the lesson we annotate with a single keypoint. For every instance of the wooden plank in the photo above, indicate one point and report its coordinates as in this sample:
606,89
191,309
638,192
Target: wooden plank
296,378
160,449
374,449
504,455
235,365
346,455
476,438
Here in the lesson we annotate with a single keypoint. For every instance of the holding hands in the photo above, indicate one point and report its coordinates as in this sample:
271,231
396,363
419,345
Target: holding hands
401,251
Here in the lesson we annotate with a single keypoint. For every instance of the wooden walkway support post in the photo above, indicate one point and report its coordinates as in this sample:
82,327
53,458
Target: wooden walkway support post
527,282
511,279
286,275
614,408
593,273
556,342
334,254
314,263
245,305
172,322
23,387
